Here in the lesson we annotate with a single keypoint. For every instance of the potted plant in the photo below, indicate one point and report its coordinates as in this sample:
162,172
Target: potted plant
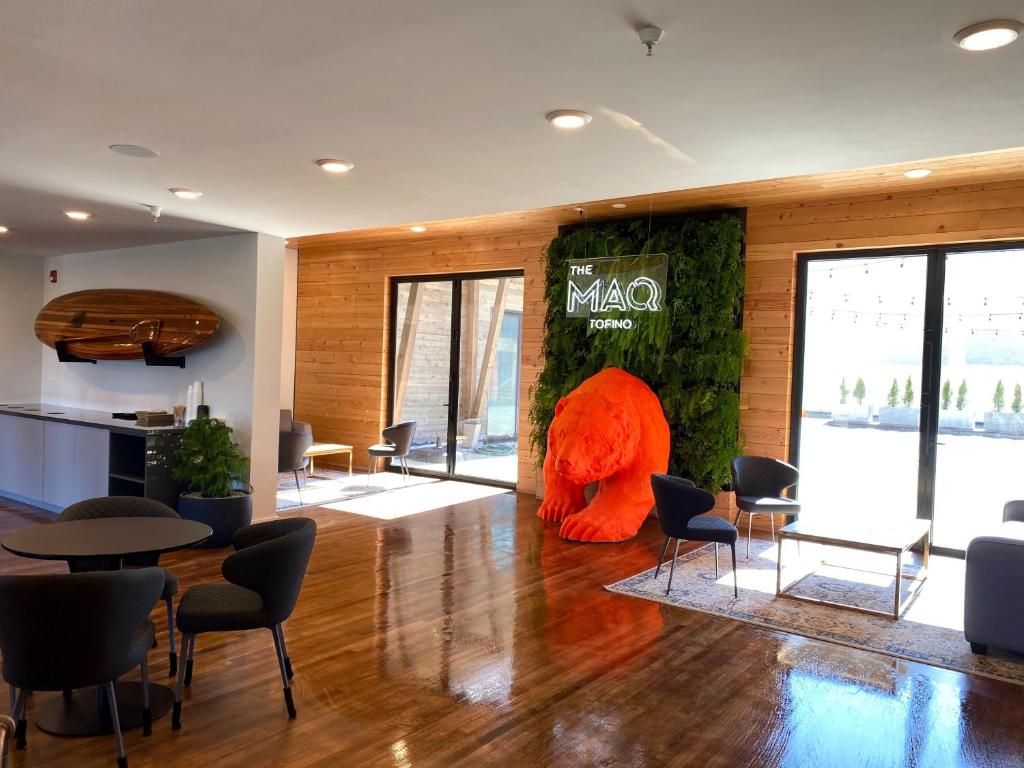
900,413
949,419
852,414
1007,423
212,469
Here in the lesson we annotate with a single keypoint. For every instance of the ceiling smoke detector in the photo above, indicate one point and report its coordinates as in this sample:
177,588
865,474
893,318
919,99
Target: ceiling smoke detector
650,37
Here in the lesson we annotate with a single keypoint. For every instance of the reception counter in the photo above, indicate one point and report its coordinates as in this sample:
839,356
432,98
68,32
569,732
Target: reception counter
52,456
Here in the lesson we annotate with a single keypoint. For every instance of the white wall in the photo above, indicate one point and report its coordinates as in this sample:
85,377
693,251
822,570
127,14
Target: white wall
21,297
239,278
288,315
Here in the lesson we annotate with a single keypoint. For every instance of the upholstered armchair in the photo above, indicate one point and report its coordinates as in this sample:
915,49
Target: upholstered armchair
294,440
993,599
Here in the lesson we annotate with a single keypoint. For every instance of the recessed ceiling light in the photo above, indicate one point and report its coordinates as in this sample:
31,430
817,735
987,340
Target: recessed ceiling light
3,230
568,118
133,150
988,35
618,205
335,166
417,228
186,194
78,215
917,173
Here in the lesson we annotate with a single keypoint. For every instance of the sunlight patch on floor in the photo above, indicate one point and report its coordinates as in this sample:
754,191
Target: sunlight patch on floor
404,502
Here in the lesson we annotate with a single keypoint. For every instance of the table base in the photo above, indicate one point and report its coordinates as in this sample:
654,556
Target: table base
84,715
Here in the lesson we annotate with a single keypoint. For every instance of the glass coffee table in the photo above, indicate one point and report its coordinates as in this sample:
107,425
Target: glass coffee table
890,539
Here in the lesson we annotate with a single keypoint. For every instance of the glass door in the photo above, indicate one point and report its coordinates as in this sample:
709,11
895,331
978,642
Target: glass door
455,367
857,420
980,445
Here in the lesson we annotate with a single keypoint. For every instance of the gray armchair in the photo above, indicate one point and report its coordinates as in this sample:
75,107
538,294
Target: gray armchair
993,598
294,440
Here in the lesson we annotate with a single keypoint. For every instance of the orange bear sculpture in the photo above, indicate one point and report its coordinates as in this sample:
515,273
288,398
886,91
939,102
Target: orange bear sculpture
610,430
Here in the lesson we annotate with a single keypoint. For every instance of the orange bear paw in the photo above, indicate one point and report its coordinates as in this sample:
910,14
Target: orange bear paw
555,510
583,527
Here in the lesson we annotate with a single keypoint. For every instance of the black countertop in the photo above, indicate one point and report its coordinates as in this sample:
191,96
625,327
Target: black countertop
80,417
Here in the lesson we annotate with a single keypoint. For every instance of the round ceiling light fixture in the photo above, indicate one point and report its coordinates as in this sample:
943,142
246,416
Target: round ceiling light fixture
185,194
133,150
335,166
618,205
918,173
418,228
988,35
78,215
568,119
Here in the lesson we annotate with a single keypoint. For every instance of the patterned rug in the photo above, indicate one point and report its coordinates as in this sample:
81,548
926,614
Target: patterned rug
929,631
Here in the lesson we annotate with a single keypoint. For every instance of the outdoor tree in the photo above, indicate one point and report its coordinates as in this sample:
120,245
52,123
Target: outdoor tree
1016,399
859,391
947,395
843,391
894,393
908,394
999,398
961,395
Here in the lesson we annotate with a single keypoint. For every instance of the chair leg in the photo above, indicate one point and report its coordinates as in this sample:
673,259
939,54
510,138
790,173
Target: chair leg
661,559
172,655
179,690
188,661
749,518
284,650
771,517
672,568
115,720
716,560
20,721
147,712
735,583
276,630
297,486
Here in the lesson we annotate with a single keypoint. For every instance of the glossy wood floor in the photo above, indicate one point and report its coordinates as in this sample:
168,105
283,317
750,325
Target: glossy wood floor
473,636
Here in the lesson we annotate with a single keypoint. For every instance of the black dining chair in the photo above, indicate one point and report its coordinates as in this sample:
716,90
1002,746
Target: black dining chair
129,506
61,632
759,482
397,442
681,507
294,439
263,578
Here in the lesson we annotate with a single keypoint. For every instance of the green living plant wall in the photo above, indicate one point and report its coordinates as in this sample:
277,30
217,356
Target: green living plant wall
690,355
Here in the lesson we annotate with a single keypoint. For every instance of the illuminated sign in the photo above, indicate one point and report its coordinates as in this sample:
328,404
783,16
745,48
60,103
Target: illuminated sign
611,292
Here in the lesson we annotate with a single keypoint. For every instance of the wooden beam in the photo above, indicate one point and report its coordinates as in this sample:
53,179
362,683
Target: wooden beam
406,344
490,348
470,321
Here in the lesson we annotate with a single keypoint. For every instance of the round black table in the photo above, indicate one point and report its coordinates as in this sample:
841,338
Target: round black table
108,540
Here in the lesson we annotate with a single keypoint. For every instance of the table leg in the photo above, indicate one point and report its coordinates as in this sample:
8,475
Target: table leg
86,711
778,567
311,467
350,463
899,584
927,549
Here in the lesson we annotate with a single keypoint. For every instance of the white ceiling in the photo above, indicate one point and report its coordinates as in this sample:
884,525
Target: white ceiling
441,104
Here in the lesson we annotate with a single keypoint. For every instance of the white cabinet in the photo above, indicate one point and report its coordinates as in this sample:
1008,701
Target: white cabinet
52,462
21,456
75,463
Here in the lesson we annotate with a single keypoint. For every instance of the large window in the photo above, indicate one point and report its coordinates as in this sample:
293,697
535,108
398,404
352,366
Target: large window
455,357
906,380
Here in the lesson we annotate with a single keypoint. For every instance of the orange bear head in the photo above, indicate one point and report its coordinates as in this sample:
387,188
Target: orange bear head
592,437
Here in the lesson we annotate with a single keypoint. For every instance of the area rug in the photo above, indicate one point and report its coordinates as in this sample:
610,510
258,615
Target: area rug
930,630
328,486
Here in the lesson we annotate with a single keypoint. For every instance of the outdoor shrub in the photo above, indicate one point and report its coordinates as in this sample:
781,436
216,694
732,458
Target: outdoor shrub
947,395
893,396
998,399
908,394
843,391
961,395
1015,406
691,354
859,391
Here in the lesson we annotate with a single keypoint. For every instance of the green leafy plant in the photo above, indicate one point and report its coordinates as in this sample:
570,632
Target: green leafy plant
859,391
690,355
908,394
1015,406
844,391
961,395
947,395
893,396
208,459
999,398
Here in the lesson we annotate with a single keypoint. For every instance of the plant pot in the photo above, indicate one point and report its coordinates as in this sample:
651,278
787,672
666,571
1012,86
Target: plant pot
1004,423
907,418
852,413
225,515
958,420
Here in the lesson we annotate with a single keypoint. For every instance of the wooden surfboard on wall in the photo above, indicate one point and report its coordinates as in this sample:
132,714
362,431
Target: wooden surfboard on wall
116,324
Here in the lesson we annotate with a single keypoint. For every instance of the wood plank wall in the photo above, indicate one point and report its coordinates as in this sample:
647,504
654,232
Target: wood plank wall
341,367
